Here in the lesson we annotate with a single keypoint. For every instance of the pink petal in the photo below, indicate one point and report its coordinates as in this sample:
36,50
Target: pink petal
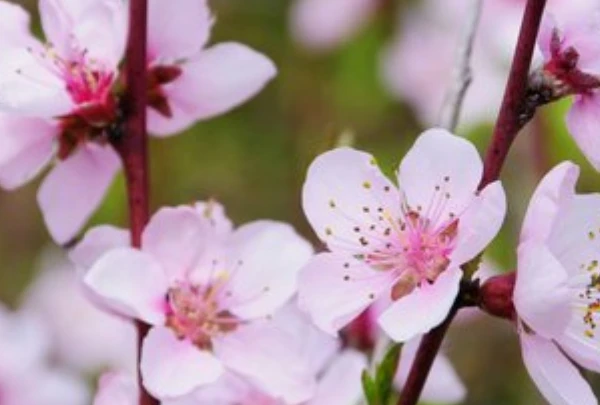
440,167
556,378
266,257
322,25
177,30
212,84
175,237
26,146
14,26
29,87
335,289
542,297
116,389
480,223
554,191
583,350
172,368
344,194
583,120
96,242
545,35
443,384
423,309
340,384
54,387
217,216
75,188
130,283
260,352
99,27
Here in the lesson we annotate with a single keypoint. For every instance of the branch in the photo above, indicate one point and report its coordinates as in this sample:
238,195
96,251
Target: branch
513,117
462,76
132,147
509,123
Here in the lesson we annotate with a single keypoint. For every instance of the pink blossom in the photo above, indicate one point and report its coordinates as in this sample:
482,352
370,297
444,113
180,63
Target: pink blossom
190,82
26,377
207,294
324,24
84,337
556,295
569,42
59,97
405,242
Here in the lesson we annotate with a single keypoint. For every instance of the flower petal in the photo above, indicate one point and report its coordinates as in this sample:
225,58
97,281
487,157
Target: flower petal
96,242
556,378
582,121
29,87
175,238
341,382
130,283
14,26
177,30
443,384
348,201
172,368
480,223
423,309
259,351
335,289
555,190
212,84
583,350
116,389
27,145
74,188
442,170
541,296
265,258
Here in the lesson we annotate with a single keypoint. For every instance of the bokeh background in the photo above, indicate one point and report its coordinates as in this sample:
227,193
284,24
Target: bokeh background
254,158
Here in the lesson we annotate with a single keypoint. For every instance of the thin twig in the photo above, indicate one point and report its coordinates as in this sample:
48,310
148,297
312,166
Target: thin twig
463,73
509,123
132,147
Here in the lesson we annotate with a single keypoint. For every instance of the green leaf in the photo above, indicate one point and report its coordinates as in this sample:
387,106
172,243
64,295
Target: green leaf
386,370
369,388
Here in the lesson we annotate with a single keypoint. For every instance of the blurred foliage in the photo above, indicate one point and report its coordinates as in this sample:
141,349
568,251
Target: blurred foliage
254,159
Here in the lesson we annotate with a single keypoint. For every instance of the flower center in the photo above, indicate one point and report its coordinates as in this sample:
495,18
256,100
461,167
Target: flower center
194,313
591,300
417,250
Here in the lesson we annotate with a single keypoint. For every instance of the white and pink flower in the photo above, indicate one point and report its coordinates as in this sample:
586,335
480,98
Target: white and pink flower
405,242
556,294
207,291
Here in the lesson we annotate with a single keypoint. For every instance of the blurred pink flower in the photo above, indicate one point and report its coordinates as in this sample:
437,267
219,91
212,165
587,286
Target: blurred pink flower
116,388
325,24
556,294
83,336
26,377
190,82
418,65
208,295
403,242
569,42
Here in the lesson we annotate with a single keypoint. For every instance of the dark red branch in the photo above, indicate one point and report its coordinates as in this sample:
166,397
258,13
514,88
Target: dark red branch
514,114
132,145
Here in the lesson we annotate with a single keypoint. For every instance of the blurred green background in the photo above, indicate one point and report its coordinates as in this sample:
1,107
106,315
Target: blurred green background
253,160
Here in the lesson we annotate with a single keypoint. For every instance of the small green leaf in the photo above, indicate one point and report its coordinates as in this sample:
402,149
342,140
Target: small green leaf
369,388
386,370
